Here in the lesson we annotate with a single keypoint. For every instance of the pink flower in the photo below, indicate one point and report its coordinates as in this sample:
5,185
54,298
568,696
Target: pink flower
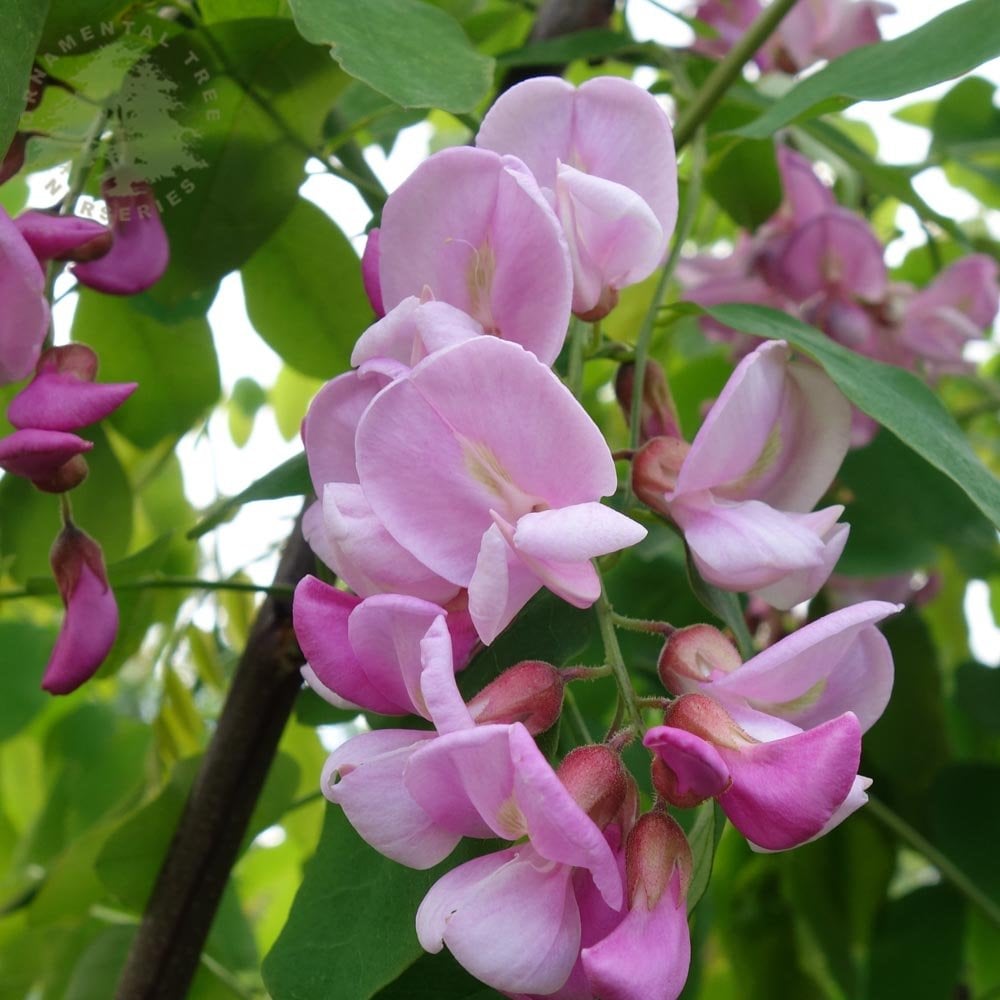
50,459
510,918
91,621
475,231
483,466
728,19
603,154
140,252
779,785
958,306
743,492
63,395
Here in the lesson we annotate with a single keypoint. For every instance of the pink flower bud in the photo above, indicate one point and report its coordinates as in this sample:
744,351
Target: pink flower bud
657,417
140,252
39,455
596,778
696,653
63,396
530,692
655,469
91,622
66,477
656,848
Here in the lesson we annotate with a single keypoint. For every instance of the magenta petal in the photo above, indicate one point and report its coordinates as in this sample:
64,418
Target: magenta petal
695,762
61,402
87,634
508,918
140,252
646,957
24,317
320,615
786,791
365,777
36,454
54,236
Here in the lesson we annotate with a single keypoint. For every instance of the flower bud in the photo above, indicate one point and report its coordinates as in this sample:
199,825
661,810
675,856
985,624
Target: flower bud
597,780
91,622
658,416
530,692
697,653
655,469
66,477
656,847
39,455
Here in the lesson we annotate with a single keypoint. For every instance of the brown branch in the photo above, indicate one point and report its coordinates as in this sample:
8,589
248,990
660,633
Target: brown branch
166,949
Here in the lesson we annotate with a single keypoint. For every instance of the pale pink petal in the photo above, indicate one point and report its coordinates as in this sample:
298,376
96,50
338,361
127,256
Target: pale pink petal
329,426
24,318
369,272
576,533
803,584
508,918
412,330
856,25
739,425
474,229
368,559
646,957
438,690
839,663
786,791
500,586
364,777
805,194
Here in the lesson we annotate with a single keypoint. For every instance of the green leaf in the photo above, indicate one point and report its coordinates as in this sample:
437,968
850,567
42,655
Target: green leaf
703,834
174,364
304,293
437,977
23,20
977,694
289,479
897,399
351,929
593,43
26,648
966,130
258,116
889,532
412,52
948,46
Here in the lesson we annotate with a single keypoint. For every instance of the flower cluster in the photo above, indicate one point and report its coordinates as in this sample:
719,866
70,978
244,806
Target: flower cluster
456,475
63,397
824,264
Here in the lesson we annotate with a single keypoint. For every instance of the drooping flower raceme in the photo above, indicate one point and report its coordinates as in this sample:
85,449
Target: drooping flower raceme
485,439
603,154
743,492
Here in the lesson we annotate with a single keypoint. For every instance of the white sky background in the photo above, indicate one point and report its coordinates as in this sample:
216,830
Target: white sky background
213,465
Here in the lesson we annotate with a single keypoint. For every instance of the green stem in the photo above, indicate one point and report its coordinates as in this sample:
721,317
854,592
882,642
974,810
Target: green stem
574,375
948,869
720,79
613,654
646,625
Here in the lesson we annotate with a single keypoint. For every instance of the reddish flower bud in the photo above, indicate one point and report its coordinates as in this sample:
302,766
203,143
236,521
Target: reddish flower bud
597,780
530,692
655,469
697,653
91,622
656,848
658,416
66,477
